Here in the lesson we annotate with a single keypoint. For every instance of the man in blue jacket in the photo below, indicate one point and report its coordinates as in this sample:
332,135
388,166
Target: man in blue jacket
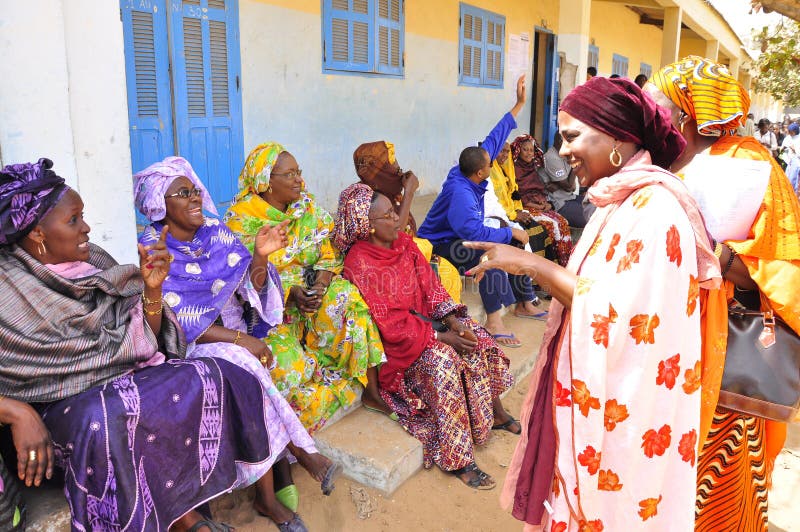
457,215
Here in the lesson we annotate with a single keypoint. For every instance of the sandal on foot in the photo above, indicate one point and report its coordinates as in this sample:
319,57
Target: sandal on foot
507,340
289,496
329,480
541,316
295,524
476,482
213,526
393,415
507,426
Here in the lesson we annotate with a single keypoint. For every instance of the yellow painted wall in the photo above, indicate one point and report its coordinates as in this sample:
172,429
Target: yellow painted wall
693,47
439,18
640,43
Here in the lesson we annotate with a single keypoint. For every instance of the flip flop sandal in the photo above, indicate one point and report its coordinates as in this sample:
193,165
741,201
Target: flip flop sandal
506,426
507,336
213,526
475,482
541,316
393,416
329,480
289,496
295,524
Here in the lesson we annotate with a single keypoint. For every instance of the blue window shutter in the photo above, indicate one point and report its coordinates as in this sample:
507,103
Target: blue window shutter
471,42
147,79
347,35
208,108
619,65
493,50
389,36
646,69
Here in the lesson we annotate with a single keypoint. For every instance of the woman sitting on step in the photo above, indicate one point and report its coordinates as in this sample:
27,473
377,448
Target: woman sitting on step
211,278
327,345
94,379
443,386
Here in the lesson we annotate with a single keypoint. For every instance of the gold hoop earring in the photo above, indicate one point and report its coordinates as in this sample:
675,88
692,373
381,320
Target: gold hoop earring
682,125
40,247
615,157
269,189
372,230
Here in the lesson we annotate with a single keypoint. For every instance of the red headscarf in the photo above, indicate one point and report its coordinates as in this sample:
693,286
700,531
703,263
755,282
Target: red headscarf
619,108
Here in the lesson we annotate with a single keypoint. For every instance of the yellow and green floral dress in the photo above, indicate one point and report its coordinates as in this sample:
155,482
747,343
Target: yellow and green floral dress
322,358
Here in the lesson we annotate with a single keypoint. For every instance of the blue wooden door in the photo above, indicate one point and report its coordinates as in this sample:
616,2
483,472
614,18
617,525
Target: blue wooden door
147,72
206,80
551,99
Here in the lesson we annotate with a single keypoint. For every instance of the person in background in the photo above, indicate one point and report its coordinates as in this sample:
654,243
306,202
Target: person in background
738,451
561,184
766,137
528,159
457,215
640,80
590,73
790,153
504,184
748,129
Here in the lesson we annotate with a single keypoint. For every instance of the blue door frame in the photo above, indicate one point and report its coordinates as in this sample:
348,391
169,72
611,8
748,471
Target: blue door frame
551,97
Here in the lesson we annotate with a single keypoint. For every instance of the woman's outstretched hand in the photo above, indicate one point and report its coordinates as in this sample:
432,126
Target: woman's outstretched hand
512,260
154,261
270,239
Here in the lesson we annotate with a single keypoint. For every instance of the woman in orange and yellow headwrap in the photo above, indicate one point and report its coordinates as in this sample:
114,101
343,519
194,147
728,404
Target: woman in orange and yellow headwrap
739,452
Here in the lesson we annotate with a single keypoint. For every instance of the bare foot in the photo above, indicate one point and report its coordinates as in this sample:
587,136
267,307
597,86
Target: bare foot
315,463
374,401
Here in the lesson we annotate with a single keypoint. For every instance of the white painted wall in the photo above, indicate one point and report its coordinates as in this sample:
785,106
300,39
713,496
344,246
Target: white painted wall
63,96
322,118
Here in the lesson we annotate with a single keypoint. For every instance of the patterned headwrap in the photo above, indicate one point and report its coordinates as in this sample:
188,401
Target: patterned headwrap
352,217
620,109
258,167
151,184
538,154
27,193
707,92
375,165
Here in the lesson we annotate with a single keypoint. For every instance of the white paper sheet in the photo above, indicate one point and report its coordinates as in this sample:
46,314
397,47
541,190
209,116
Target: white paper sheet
728,191
519,61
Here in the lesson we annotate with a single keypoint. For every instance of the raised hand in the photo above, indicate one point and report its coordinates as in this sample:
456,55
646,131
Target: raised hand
154,261
410,183
270,239
521,95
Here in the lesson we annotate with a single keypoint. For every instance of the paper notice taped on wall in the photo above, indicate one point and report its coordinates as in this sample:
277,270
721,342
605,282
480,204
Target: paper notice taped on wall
518,55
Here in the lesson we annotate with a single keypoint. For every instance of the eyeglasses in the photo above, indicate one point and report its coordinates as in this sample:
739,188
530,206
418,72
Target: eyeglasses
185,193
291,175
388,216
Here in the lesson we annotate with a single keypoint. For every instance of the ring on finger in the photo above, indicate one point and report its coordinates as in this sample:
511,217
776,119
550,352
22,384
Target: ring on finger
31,455
485,258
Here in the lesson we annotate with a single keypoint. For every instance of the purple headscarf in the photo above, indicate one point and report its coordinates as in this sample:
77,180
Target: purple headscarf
27,193
619,108
151,184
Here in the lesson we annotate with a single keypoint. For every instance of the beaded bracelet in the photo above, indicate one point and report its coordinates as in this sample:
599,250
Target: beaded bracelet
730,260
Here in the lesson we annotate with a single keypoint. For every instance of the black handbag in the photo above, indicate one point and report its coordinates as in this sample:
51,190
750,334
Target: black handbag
762,365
